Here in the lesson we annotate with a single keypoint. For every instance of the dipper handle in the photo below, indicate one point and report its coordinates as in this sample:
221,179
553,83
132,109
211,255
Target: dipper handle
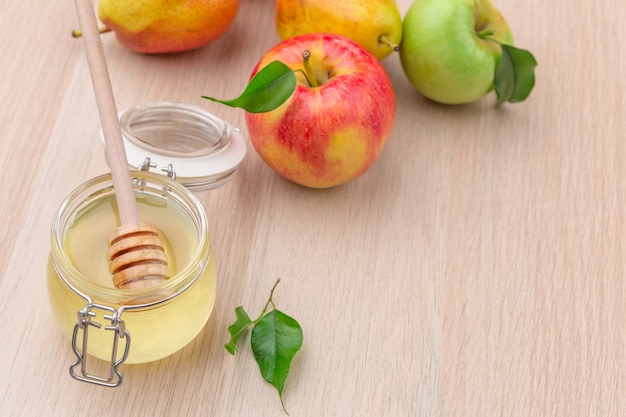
114,145
137,255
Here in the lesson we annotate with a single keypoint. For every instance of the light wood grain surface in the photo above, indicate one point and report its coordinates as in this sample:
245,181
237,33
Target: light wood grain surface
476,270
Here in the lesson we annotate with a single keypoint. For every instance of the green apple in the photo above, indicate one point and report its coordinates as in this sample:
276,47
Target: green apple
450,48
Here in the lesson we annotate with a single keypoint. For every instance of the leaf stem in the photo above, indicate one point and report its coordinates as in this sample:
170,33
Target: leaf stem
270,301
308,70
305,76
267,304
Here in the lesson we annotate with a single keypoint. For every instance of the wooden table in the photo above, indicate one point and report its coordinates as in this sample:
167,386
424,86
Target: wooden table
476,270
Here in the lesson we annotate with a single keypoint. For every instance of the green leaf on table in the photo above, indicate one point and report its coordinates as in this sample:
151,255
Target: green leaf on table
515,75
268,89
237,329
275,340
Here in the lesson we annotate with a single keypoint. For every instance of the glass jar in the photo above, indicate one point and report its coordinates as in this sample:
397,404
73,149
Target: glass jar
128,325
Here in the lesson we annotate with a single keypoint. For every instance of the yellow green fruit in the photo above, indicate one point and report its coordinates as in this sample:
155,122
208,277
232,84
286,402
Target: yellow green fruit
374,24
163,26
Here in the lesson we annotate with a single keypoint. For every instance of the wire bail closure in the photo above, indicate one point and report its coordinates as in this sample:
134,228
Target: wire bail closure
147,164
78,370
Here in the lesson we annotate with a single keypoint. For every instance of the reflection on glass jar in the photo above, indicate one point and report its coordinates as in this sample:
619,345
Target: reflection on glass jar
159,320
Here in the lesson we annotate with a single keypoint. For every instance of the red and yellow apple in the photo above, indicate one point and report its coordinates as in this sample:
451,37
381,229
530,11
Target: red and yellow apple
338,119
164,26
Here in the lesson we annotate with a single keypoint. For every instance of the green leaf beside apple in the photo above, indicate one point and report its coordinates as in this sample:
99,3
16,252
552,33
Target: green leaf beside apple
515,75
267,90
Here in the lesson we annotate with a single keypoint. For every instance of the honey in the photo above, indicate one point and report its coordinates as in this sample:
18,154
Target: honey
159,320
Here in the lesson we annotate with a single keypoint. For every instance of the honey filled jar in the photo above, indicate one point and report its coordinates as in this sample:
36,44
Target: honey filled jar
131,326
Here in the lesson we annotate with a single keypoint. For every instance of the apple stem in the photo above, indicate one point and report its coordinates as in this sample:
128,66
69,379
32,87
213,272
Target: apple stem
486,34
384,39
308,71
77,33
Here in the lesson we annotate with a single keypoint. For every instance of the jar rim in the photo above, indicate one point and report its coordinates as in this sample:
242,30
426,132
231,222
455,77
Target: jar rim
203,150
102,186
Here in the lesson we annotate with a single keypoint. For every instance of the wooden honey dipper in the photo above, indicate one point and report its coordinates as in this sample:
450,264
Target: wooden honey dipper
136,253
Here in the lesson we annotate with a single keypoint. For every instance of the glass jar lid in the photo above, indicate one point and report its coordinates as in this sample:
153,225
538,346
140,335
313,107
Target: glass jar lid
196,147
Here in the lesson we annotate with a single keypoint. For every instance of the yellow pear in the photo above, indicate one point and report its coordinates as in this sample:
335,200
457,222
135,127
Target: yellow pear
374,24
163,26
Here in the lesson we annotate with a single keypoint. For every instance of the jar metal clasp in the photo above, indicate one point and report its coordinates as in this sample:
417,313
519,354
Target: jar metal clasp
147,163
79,369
